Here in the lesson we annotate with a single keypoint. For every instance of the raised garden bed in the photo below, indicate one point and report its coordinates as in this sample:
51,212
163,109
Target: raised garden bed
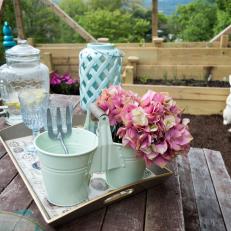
192,99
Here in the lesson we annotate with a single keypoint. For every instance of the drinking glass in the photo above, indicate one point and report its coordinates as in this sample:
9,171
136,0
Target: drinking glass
10,99
33,103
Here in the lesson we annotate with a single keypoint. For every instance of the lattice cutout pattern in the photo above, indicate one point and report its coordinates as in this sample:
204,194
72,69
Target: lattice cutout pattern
97,70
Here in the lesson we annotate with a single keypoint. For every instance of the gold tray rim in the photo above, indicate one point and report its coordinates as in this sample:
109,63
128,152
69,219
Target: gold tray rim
105,196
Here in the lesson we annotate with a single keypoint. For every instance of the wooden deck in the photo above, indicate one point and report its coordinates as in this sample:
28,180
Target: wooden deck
196,197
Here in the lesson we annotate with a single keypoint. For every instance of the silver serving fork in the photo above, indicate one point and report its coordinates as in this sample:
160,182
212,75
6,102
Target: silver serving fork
60,134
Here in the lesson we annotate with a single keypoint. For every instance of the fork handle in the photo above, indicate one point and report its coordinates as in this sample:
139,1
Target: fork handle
63,144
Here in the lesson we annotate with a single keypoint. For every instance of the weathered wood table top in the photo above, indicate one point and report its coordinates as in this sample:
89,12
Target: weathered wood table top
196,197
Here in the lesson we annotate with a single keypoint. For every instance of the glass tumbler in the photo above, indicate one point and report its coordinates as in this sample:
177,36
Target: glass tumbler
33,103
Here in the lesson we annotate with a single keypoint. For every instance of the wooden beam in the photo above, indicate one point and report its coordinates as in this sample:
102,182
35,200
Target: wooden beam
69,21
129,75
157,42
133,61
1,6
224,41
19,20
154,18
187,99
227,30
47,60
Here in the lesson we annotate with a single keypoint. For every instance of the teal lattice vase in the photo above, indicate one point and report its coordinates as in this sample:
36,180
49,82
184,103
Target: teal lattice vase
99,66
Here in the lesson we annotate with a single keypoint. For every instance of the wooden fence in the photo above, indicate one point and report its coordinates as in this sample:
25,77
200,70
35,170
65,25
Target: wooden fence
184,61
192,100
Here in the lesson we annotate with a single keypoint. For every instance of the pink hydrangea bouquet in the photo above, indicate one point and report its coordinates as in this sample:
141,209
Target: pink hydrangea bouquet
152,125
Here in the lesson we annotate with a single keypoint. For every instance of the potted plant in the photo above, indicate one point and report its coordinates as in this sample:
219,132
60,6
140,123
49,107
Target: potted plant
63,84
150,130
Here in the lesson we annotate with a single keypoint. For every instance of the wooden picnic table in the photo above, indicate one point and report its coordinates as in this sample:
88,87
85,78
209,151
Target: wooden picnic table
196,197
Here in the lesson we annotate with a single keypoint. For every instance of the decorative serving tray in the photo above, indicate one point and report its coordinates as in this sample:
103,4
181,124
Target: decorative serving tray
17,137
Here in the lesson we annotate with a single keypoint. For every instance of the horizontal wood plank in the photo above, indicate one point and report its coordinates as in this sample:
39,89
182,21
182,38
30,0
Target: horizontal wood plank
210,215
38,217
7,172
176,72
165,44
191,100
15,196
164,209
191,217
92,221
181,56
183,92
126,214
222,183
2,150
197,107
160,56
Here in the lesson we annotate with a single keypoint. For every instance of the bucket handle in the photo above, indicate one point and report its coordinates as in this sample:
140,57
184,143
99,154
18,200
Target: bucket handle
96,111
106,156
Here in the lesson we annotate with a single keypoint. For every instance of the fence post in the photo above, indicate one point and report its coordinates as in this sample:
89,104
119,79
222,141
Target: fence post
154,18
19,19
129,73
224,41
103,40
47,60
31,41
133,61
157,42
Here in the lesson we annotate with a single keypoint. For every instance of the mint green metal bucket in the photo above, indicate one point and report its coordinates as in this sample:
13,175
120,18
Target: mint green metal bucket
130,172
66,176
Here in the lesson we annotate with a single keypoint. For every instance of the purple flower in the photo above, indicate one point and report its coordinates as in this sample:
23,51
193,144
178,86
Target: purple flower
67,79
55,79
70,82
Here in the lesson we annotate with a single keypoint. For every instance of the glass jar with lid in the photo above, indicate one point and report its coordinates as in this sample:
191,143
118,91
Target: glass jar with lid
22,70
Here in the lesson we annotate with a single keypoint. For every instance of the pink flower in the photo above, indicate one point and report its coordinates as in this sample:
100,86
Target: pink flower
169,121
150,97
130,138
70,82
126,114
160,148
144,142
151,124
139,117
179,138
55,79
113,100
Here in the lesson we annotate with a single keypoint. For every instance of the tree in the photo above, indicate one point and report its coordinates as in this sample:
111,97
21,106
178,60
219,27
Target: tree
105,4
223,15
40,22
124,5
116,25
194,21
74,7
